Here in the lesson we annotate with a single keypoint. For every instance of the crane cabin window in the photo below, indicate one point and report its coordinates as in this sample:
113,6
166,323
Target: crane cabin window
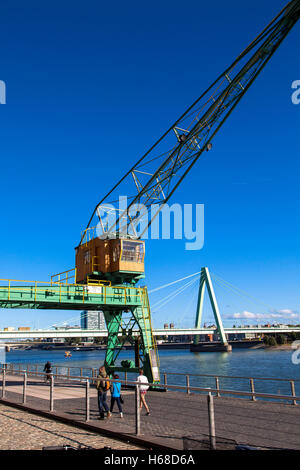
133,252
86,257
116,253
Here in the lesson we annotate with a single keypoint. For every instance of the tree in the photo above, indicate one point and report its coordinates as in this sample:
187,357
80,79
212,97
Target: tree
280,339
270,340
292,336
71,341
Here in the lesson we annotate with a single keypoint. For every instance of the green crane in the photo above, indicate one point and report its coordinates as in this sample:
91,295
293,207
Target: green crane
156,175
110,255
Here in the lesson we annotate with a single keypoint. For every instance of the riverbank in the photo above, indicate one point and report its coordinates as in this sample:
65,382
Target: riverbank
279,347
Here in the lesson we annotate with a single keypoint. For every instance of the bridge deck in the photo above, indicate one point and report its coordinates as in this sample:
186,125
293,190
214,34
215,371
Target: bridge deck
173,415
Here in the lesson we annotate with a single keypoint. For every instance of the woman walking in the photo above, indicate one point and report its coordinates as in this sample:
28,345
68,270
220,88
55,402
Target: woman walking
142,379
116,395
102,388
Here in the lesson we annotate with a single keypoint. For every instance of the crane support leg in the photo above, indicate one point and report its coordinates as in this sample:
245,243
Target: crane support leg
120,325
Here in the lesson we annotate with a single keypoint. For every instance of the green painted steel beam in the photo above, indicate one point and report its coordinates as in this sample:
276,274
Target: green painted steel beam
112,300
70,297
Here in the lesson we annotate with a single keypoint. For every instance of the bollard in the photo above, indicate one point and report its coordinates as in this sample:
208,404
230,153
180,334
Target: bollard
24,387
80,372
87,400
188,384
125,377
217,387
293,391
51,393
3,382
211,421
137,411
252,389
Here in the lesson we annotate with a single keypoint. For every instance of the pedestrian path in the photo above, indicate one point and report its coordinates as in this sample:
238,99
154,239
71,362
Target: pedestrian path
174,415
21,430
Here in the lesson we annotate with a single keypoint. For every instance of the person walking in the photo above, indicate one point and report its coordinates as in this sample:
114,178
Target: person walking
116,395
102,386
48,371
142,379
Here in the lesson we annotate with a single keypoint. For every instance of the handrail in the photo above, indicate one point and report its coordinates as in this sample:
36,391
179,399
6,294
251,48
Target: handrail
180,373
168,387
293,397
64,289
67,278
232,376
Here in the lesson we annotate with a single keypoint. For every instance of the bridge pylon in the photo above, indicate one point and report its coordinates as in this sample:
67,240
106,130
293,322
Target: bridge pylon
205,281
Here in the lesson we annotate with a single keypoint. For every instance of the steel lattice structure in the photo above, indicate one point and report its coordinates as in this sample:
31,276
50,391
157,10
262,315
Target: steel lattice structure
157,174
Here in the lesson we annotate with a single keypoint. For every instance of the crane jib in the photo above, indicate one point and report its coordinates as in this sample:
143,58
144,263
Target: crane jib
158,173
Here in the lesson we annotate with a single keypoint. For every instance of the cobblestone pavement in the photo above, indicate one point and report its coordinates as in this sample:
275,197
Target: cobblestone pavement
20,430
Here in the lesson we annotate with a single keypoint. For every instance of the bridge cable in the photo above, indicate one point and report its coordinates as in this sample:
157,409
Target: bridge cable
240,291
171,283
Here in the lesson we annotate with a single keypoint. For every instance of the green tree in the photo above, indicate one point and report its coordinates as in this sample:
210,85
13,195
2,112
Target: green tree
280,339
292,336
270,340
70,341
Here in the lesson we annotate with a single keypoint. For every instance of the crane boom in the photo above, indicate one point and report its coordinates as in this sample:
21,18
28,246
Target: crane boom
158,173
113,254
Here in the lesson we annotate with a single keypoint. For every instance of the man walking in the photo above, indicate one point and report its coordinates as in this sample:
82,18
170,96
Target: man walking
102,386
48,371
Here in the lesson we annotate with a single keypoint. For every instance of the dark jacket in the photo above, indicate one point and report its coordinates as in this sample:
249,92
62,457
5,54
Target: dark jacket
48,368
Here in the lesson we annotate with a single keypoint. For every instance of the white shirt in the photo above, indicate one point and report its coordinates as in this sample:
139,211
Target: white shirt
143,379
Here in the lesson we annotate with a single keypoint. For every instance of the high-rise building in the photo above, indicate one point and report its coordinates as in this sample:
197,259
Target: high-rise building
92,320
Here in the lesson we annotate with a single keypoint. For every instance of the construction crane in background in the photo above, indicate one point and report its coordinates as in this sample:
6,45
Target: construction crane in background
111,249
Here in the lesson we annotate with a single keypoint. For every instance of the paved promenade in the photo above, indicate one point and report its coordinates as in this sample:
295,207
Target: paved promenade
173,415
20,430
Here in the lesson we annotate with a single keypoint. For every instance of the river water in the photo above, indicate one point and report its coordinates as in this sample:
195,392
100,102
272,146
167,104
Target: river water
270,363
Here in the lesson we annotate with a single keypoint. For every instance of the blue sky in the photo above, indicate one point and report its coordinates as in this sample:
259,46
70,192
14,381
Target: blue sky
90,86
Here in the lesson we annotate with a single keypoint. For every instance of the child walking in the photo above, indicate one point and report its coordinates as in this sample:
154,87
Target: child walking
116,395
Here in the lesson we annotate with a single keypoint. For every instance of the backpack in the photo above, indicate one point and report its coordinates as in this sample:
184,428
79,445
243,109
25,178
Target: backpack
101,380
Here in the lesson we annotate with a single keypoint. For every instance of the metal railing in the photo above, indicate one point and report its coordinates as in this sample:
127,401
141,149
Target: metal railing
71,372
252,381
65,277
61,291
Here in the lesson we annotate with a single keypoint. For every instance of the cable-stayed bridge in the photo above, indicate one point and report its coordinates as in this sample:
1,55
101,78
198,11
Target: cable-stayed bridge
35,295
